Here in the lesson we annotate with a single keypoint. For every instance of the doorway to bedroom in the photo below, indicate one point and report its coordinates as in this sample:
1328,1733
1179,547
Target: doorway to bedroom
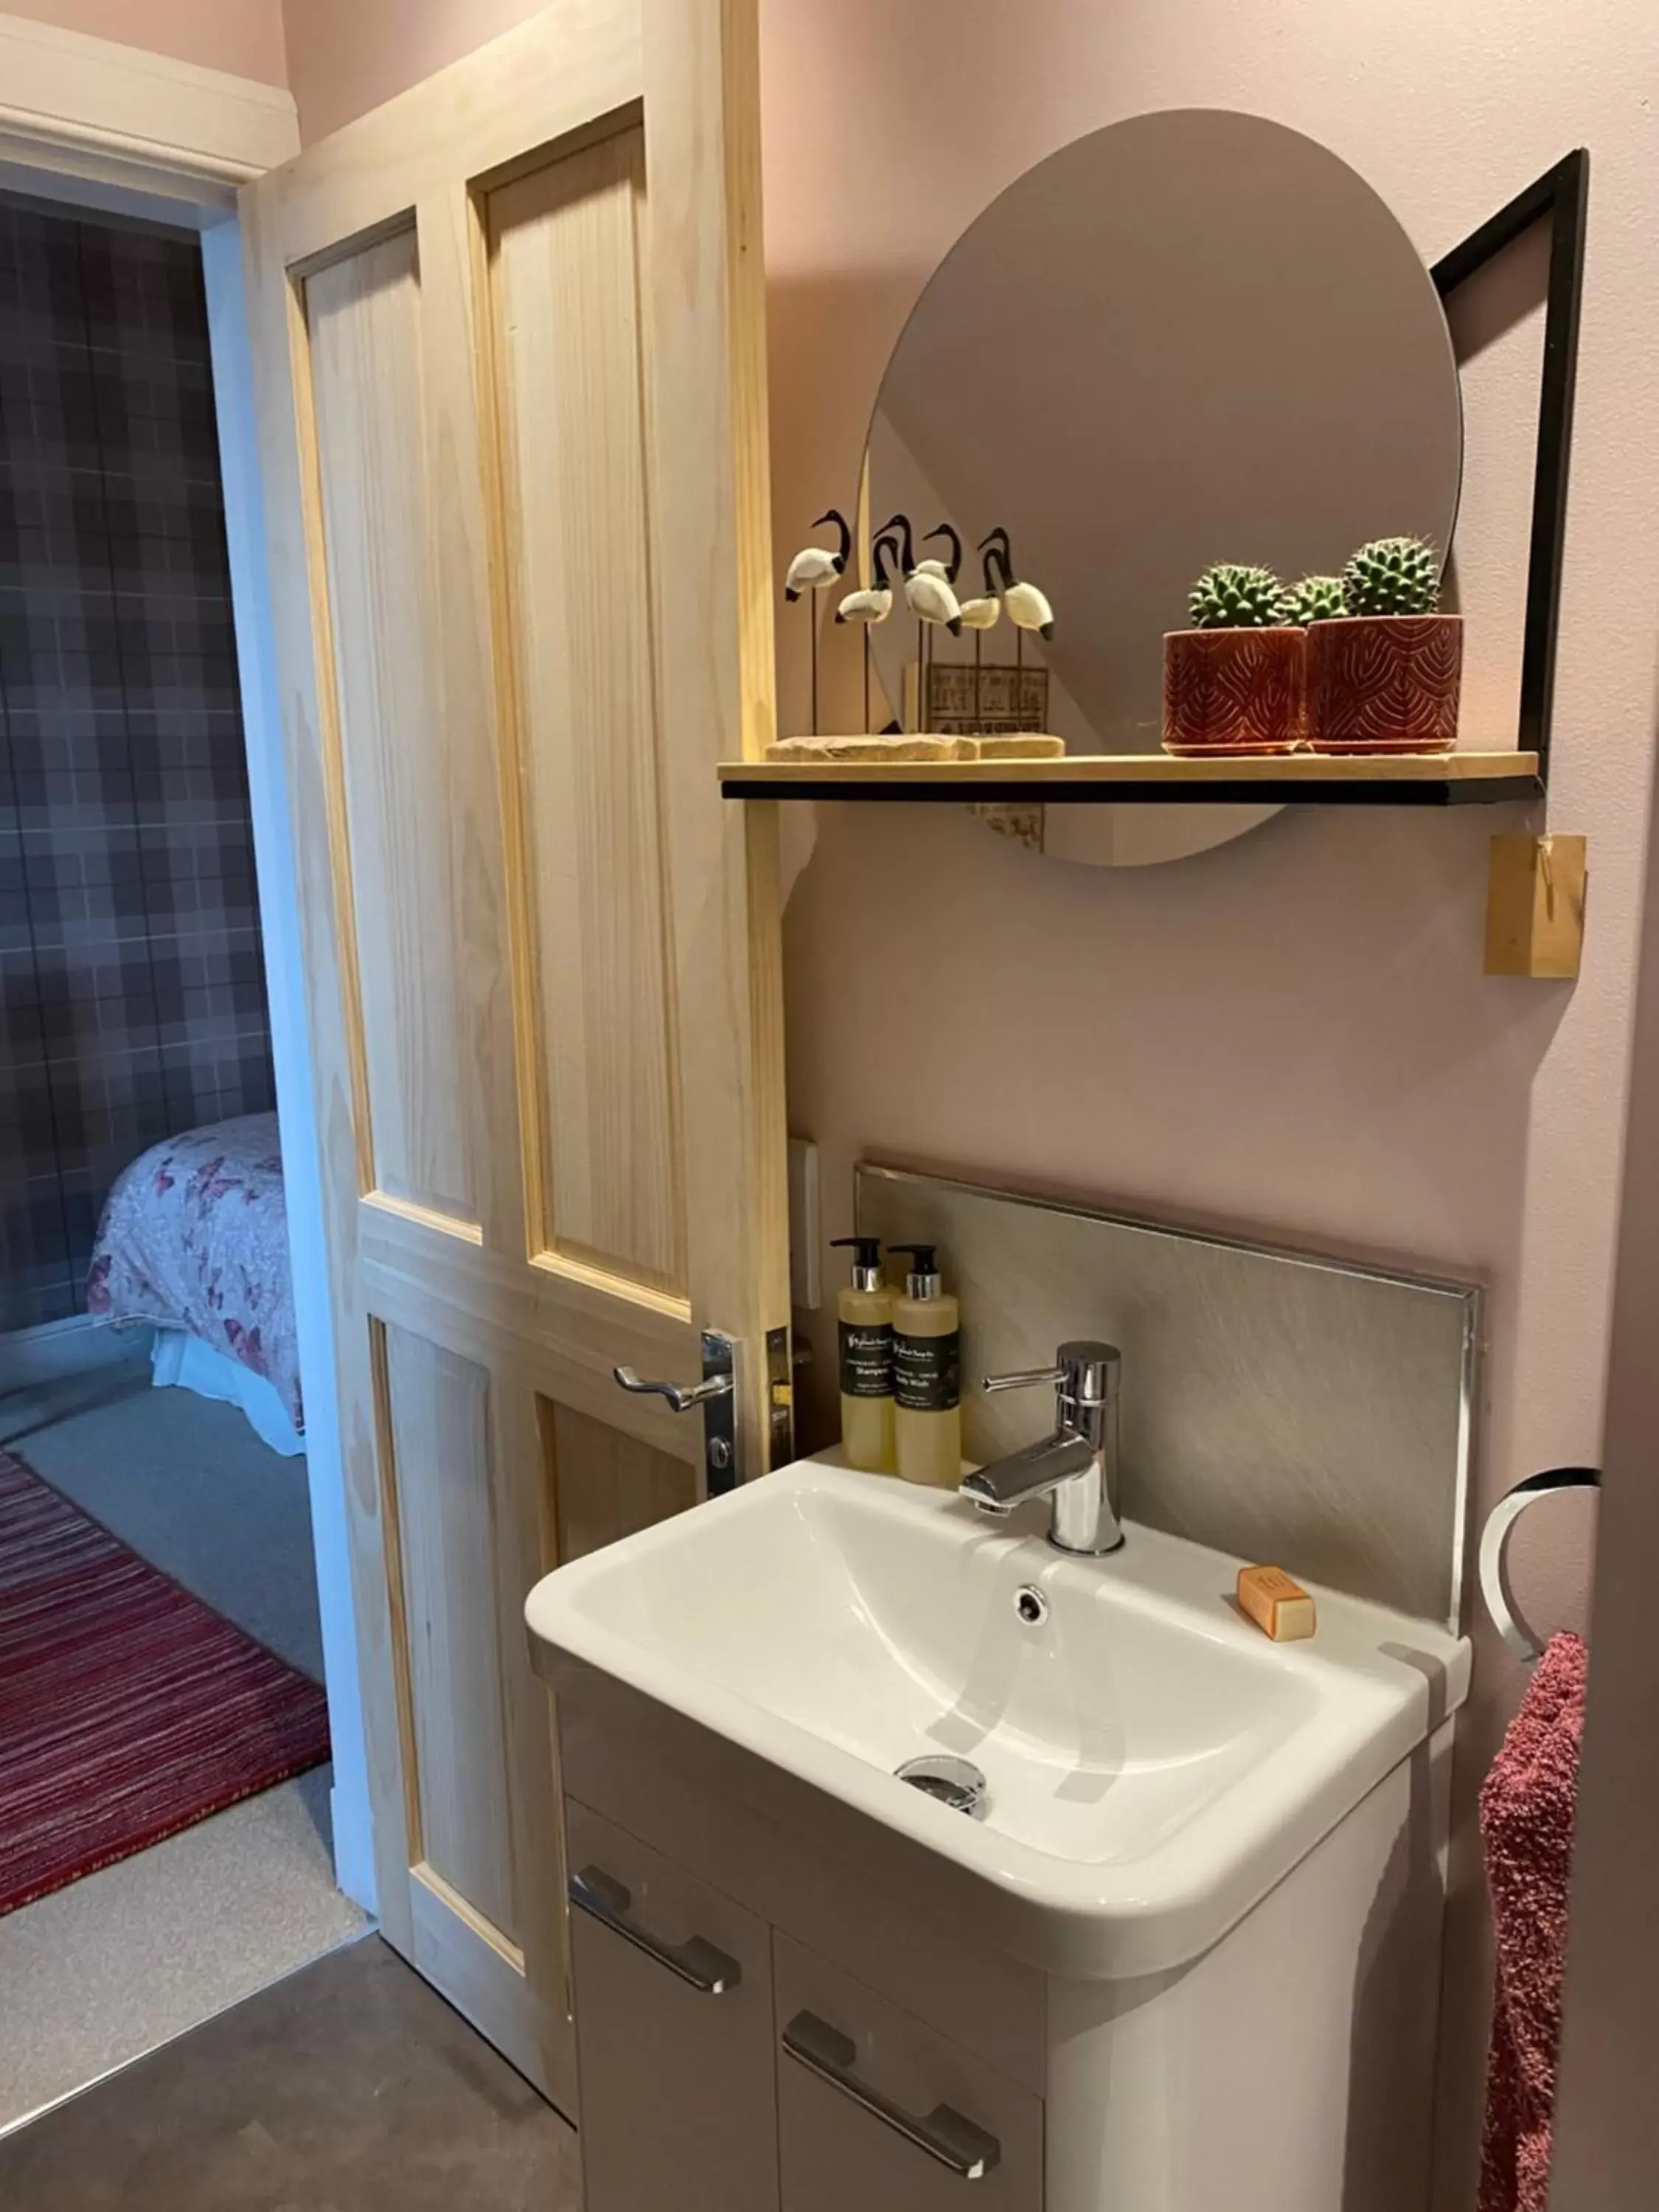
164,1783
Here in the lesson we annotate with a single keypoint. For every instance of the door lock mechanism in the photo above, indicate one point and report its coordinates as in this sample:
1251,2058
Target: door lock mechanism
717,1394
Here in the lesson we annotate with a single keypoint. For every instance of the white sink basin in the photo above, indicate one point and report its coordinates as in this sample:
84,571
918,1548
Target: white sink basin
1154,1764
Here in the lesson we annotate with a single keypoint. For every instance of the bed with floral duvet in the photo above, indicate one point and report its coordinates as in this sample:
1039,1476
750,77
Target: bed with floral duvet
194,1240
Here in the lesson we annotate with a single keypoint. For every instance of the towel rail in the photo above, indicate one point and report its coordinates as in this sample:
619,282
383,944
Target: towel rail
1494,1550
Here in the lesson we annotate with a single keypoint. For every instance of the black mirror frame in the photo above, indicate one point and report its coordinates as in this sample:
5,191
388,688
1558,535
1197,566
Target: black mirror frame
1561,197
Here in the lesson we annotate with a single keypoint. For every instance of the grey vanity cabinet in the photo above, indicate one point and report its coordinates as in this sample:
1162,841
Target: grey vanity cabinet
676,2080
725,2067
879,2113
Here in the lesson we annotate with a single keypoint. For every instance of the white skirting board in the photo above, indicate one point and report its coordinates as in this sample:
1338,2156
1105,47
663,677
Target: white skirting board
30,1358
178,1360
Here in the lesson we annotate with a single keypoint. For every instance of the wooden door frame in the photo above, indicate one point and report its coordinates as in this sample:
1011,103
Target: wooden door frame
90,123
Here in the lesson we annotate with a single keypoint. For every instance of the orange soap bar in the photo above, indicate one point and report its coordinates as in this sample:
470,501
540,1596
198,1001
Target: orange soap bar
1279,1608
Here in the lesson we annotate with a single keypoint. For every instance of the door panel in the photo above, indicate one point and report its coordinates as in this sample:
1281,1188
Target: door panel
511,383
605,1485
438,1415
362,313
564,247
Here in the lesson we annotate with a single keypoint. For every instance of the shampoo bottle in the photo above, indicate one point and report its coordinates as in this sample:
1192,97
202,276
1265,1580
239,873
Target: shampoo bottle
927,1376
866,1308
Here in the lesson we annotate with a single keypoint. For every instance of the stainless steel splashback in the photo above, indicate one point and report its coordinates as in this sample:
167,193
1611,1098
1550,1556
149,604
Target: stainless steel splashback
1276,1404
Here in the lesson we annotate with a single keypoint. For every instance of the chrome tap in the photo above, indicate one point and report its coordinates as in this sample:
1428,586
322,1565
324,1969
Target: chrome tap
1077,1467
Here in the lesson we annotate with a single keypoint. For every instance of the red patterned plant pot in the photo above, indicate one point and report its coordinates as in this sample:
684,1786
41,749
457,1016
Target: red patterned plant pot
1385,684
1233,690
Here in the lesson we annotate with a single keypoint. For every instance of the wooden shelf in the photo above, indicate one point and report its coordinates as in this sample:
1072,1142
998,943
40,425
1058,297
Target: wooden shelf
1462,779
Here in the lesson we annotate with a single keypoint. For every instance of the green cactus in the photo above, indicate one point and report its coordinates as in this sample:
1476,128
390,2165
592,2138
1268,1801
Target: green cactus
1393,577
1315,599
1231,597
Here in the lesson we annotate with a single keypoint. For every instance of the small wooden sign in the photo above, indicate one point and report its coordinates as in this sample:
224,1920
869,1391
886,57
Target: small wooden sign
1026,825
1535,905
991,701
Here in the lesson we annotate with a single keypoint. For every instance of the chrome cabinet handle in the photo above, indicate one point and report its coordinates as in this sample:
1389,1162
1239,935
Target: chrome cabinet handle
682,1396
944,2133
695,1962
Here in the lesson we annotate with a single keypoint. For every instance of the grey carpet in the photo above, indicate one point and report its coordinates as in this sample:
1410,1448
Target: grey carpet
350,2087
185,1482
95,1975
99,1973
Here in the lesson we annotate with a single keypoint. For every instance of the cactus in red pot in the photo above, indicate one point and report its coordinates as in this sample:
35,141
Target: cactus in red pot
1233,682
1386,678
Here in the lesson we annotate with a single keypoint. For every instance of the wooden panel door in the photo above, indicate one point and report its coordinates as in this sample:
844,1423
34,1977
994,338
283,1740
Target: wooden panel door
512,380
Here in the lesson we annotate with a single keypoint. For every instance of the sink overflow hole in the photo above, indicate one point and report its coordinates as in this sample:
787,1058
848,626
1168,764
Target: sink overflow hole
1031,1605
954,1782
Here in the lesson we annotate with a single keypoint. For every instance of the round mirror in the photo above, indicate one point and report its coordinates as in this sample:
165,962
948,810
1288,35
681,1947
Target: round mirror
1189,337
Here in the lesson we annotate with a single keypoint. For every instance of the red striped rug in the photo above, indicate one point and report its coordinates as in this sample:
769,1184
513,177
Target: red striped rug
128,1709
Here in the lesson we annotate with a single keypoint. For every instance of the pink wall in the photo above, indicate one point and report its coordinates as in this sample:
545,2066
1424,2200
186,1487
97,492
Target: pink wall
1607,2134
242,37
1292,1033
346,57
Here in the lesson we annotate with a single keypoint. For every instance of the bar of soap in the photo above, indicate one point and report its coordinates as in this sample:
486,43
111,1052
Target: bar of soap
1279,1608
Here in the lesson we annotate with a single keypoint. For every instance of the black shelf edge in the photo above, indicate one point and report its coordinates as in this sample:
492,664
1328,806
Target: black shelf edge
889,790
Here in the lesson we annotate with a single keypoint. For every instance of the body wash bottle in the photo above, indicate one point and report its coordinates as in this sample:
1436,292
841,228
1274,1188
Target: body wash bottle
927,1376
866,1308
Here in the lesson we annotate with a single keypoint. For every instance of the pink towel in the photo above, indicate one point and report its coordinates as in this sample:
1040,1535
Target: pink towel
1527,1807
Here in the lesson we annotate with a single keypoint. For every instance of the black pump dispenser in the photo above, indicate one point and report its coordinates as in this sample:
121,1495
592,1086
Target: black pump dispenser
867,1261
923,1279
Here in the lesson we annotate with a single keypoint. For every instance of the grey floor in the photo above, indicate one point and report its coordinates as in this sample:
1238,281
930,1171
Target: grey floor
187,1482
350,2087
96,1974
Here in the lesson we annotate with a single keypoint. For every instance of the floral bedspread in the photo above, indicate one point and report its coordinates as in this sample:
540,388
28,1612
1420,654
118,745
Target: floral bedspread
195,1235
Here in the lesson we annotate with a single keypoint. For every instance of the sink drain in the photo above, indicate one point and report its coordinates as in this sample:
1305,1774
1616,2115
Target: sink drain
953,1782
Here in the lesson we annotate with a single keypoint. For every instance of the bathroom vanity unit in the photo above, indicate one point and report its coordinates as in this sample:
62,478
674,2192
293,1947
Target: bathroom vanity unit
1184,1956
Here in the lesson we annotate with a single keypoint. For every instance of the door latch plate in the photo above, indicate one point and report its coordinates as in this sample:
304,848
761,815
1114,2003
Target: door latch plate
719,1416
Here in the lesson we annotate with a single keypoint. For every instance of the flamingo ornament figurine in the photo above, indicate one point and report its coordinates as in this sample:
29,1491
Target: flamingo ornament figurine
979,615
813,569
929,596
1027,607
950,569
870,606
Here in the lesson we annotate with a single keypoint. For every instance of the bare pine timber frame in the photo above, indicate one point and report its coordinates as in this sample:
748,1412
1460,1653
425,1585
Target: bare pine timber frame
510,343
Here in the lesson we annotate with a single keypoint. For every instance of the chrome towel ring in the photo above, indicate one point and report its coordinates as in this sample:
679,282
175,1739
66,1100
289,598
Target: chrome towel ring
1494,1548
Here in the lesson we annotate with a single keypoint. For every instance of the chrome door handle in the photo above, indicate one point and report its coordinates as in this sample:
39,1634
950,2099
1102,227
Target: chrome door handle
682,1396
717,1393
944,2133
694,1962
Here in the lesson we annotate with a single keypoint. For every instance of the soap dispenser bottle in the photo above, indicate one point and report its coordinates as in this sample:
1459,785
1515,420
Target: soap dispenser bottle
866,1308
927,1376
